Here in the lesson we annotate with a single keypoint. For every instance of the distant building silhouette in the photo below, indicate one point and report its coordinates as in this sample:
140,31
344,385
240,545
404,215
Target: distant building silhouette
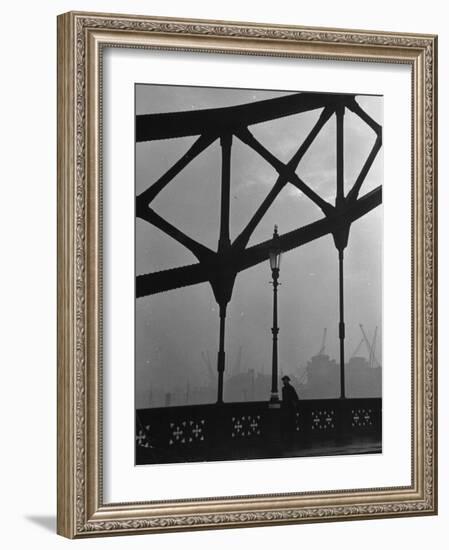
247,386
323,378
363,380
319,380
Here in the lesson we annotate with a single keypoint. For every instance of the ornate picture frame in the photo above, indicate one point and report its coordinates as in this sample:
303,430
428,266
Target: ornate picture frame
82,509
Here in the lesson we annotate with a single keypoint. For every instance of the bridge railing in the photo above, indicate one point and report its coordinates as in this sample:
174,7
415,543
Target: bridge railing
252,429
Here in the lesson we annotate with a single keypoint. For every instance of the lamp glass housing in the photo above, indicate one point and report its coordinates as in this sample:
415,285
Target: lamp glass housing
275,252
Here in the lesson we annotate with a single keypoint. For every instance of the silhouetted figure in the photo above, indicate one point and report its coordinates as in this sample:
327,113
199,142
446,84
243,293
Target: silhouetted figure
290,402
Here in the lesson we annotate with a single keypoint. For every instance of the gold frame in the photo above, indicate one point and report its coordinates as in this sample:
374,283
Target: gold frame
81,37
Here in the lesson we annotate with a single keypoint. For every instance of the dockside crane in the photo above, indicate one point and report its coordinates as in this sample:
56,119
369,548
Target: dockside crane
323,343
357,349
372,358
373,362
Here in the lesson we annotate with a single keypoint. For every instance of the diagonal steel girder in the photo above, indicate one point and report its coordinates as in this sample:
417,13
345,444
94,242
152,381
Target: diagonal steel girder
237,260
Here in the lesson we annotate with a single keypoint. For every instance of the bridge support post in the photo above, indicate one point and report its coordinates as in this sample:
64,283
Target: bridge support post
341,240
224,288
221,358
341,324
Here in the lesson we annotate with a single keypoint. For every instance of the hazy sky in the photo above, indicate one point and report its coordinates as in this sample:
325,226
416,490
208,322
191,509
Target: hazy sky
173,328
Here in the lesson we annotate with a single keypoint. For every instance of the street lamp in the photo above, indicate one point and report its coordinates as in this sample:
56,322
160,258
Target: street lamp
274,254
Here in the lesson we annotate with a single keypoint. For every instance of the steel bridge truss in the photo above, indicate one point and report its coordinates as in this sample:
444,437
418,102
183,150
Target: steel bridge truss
220,267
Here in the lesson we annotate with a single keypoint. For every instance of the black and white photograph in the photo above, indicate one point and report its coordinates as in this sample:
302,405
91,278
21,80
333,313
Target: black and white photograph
258,274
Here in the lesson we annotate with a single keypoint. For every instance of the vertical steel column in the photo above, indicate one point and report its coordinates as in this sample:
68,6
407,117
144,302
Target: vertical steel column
223,244
341,242
341,325
221,354
340,111
226,144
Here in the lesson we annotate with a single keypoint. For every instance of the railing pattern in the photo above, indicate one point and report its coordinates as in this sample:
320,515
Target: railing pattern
253,430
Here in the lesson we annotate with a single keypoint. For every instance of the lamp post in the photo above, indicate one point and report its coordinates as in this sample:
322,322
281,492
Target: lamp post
275,262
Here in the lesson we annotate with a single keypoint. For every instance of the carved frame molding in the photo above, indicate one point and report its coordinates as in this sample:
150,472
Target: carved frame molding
81,37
